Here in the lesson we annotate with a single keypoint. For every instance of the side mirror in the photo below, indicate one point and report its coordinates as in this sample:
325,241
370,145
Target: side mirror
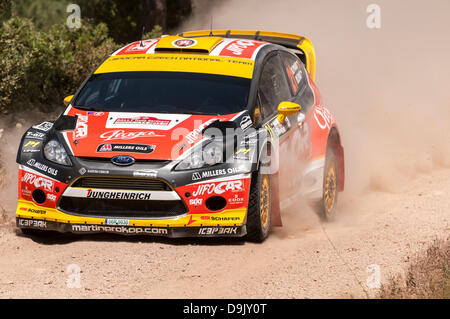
287,109
67,99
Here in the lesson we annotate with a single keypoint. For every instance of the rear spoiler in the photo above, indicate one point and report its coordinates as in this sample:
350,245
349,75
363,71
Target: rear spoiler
302,46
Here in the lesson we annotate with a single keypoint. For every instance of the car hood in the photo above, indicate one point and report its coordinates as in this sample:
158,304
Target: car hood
151,136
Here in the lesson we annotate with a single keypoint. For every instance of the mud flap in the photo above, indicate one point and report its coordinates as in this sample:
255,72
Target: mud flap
341,172
275,204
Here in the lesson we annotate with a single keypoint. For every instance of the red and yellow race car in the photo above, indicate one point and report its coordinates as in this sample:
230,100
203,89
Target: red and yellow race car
204,133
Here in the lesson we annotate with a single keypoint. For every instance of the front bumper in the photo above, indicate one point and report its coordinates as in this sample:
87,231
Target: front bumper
228,223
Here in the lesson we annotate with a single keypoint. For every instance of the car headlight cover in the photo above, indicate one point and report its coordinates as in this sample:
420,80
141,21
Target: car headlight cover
55,152
212,154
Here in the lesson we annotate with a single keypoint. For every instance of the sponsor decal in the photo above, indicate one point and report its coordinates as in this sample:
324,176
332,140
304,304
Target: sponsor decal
42,167
242,153
129,195
323,117
196,201
32,223
214,173
246,122
236,200
295,75
216,218
132,148
26,192
35,135
44,126
97,171
82,171
241,48
193,136
146,173
119,229
251,141
37,211
137,48
96,113
122,135
279,128
119,222
184,43
219,188
51,197
143,120
38,181
81,130
31,146
217,230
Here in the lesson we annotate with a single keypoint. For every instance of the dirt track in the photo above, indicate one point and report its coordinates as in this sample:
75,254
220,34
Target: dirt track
297,261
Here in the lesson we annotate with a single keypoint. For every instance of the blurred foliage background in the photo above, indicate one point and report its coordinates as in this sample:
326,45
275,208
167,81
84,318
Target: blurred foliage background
42,60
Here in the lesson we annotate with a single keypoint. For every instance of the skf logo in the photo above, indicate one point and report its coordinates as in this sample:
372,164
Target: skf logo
184,43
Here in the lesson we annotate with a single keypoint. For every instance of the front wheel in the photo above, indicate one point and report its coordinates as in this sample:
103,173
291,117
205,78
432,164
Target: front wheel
259,208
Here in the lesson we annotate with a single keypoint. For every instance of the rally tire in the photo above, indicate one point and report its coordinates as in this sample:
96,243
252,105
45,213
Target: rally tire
259,208
327,205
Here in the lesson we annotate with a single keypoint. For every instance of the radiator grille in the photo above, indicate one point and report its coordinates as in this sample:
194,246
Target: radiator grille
123,183
123,208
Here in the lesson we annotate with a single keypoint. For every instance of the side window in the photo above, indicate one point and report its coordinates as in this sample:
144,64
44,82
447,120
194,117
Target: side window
273,87
294,71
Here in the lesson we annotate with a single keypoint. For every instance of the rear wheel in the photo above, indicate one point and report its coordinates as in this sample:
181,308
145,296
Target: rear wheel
259,208
327,205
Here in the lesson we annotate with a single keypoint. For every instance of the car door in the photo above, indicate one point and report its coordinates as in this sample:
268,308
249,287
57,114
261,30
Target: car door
300,140
273,88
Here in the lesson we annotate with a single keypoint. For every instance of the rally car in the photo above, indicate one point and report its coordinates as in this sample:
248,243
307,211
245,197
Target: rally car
204,133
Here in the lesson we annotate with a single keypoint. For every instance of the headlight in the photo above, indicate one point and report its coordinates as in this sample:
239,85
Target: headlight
210,155
55,152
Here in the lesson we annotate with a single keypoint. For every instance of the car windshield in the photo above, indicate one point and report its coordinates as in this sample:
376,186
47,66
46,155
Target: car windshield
164,92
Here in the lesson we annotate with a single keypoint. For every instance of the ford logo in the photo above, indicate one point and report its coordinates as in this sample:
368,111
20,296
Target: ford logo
123,160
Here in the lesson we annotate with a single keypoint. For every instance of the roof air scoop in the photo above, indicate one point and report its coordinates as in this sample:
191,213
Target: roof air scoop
194,45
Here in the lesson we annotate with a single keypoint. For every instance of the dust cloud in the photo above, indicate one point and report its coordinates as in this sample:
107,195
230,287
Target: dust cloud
388,88
11,130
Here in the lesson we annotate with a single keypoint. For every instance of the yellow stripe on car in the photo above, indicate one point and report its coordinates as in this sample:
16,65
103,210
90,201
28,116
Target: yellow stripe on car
178,63
229,217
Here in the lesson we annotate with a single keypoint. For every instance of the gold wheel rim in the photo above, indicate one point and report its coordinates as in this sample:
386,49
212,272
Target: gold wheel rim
265,201
330,187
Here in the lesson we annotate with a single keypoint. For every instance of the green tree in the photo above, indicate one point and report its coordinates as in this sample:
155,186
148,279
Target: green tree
5,10
43,13
39,68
